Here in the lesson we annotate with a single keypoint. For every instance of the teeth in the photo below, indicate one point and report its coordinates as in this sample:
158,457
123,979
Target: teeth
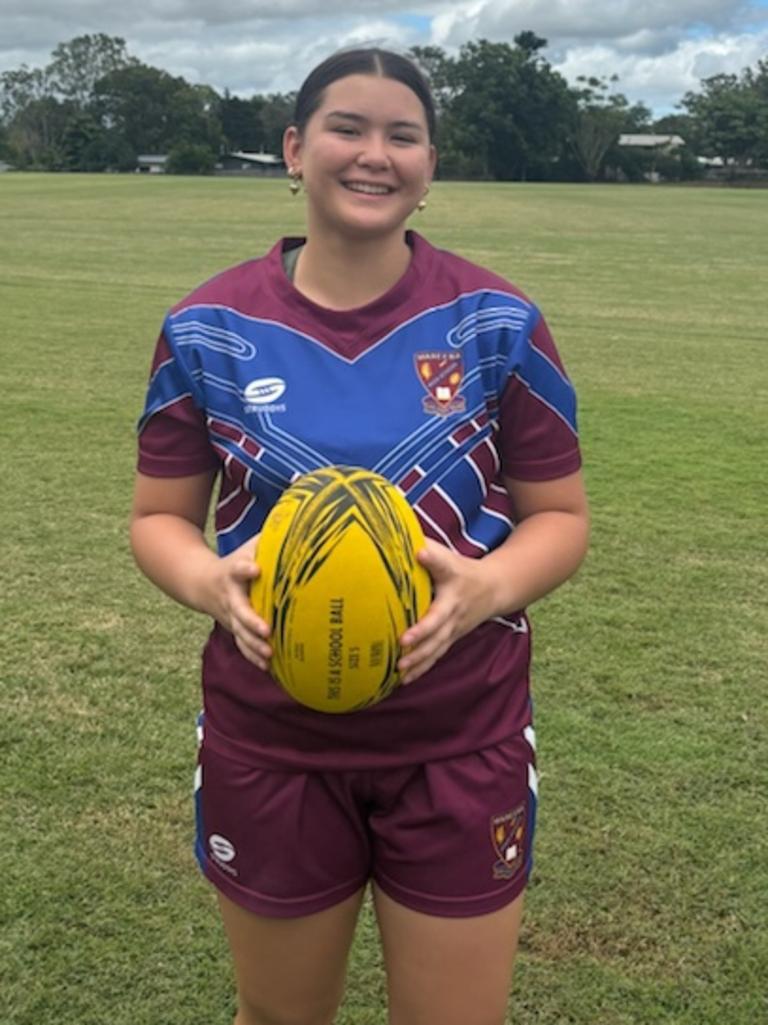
374,190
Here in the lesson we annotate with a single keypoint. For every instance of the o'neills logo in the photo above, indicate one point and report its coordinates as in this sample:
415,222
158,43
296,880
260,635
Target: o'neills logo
441,374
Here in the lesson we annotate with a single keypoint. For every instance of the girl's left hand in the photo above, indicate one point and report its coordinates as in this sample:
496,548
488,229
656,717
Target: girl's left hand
460,603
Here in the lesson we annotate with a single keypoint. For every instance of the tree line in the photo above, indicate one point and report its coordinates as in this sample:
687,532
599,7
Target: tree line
504,112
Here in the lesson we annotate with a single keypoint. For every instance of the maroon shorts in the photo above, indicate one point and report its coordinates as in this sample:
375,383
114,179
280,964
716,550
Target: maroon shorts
449,838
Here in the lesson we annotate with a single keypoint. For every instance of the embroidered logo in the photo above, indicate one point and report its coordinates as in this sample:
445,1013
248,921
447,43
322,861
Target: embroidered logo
441,373
507,835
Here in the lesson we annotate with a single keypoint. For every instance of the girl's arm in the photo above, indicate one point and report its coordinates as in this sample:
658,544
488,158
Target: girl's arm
544,550
167,536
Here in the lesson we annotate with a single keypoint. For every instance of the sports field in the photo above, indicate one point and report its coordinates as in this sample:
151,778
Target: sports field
649,901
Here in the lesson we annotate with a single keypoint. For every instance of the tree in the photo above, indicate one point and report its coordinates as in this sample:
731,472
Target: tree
601,116
78,65
276,115
731,116
152,111
241,122
440,71
47,111
190,158
757,82
510,108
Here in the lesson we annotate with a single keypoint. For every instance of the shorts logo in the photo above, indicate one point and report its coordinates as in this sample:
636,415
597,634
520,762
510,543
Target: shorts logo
441,373
507,835
221,849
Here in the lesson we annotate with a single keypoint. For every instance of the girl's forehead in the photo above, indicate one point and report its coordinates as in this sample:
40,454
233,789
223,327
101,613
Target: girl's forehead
372,95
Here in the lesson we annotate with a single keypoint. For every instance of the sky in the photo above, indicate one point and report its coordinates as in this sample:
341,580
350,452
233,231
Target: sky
660,49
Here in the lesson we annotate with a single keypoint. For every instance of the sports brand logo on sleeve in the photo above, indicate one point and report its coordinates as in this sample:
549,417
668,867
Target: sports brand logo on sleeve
441,374
508,834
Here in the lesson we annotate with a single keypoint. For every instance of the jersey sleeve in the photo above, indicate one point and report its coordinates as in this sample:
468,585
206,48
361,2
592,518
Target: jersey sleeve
173,439
537,416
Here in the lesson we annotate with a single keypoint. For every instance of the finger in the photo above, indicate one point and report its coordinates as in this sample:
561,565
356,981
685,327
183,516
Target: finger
254,649
246,618
244,571
436,616
419,669
435,558
415,662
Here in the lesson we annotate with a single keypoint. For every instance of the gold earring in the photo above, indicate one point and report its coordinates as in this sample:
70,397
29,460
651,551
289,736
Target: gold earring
422,203
295,183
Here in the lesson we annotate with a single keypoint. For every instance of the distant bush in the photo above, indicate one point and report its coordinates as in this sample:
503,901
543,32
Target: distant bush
190,158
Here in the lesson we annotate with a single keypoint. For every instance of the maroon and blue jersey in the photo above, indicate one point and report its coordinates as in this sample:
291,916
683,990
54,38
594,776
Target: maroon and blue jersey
445,385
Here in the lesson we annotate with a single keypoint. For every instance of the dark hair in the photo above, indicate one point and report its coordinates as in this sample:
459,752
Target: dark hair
365,61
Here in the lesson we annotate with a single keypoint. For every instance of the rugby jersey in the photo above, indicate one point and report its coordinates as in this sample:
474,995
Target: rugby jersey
444,385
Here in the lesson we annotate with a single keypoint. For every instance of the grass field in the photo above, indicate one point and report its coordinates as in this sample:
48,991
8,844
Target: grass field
649,901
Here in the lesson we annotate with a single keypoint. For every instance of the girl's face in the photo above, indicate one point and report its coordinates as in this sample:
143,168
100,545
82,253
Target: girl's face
364,156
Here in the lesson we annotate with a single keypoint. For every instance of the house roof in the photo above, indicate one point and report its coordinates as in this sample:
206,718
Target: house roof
256,158
651,140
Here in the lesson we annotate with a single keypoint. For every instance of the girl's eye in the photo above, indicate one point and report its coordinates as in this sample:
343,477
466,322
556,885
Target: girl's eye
346,130
403,138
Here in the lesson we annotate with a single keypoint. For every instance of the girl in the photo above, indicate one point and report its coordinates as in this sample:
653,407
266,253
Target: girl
384,352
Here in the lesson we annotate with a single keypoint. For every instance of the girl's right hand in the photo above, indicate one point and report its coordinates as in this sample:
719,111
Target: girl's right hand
235,573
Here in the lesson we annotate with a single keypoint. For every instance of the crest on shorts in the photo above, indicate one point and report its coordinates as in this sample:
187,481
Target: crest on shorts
441,374
508,836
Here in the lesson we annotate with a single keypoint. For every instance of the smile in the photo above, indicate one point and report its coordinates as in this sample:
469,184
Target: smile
368,188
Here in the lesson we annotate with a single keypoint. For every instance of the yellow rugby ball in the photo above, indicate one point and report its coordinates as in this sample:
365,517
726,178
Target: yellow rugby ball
339,583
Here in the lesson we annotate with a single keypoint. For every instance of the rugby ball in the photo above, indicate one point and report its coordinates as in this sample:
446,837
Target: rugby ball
338,585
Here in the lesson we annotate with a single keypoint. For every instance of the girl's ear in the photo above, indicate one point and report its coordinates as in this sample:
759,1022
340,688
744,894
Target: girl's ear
291,147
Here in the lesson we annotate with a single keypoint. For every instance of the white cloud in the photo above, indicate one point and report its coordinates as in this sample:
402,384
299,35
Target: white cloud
661,80
559,20
659,48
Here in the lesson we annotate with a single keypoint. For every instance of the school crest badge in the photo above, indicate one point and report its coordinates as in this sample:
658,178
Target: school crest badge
508,837
441,374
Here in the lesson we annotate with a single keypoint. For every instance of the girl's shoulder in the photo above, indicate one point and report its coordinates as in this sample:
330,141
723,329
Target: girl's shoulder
240,286
462,275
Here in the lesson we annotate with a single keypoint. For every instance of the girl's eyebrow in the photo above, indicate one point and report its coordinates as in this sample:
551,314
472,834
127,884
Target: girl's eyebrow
348,115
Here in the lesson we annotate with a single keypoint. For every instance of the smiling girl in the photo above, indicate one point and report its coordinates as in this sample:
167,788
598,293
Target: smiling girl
362,344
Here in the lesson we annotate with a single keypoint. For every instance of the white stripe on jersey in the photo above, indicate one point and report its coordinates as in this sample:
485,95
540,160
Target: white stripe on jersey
437,529
543,401
217,339
223,531
460,518
491,318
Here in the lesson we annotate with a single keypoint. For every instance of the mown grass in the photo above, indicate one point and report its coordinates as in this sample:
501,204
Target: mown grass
648,900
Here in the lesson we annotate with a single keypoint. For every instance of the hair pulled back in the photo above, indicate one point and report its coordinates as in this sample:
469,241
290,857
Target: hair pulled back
362,61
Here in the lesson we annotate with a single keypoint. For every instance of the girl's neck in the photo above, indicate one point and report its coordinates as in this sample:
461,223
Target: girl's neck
343,274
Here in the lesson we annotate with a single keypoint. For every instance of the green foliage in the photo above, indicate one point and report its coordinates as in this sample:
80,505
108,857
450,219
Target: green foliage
503,105
78,65
276,115
241,123
647,905
731,115
601,116
190,158
504,113
154,111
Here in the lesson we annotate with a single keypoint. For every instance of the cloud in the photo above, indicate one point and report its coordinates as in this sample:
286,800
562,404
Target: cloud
278,61
661,80
577,20
659,48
